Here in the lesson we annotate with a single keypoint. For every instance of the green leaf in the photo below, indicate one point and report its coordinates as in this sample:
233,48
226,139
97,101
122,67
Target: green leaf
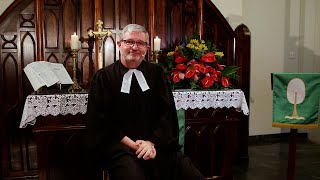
229,71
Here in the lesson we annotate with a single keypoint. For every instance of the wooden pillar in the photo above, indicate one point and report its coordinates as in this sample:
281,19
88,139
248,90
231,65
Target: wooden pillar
39,29
97,16
151,25
200,18
242,59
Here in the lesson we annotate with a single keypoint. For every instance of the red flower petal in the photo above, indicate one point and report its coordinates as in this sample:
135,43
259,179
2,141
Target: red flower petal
202,69
215,77
176,77
213,71
221,67
225,82
209,57
181,67
190,72
207,82
179,59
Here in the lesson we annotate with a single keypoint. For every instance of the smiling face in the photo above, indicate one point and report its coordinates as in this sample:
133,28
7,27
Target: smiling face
131,48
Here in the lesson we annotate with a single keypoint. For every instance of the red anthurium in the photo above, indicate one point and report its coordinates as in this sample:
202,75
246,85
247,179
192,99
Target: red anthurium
209,57
207,82
215,77
179,59
201,68
181,67
176,53
176,77
192,61
196,67
213,70
225,82
195,64
210,69
221,67
190,72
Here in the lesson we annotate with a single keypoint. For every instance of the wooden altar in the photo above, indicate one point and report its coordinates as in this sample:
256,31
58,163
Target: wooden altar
210,139
39,30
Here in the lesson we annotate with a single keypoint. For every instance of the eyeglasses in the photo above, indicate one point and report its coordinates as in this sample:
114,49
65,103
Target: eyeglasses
131,43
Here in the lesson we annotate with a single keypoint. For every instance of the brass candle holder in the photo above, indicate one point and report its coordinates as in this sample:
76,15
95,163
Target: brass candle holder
156,56
75,86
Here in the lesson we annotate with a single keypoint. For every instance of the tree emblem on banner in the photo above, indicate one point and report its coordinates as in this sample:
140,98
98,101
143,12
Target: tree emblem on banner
295,100
296,93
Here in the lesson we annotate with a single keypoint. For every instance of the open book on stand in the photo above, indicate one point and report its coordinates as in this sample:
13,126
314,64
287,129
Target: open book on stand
43,73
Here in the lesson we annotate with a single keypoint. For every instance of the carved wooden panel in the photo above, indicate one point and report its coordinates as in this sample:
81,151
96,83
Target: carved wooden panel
109,14
141,13
69,20
211,140
125,14
19,155
190,15
116,14
161,21
86,18
172,20
28,55
176,18
52,2
61,22
51,28
85,74
109,50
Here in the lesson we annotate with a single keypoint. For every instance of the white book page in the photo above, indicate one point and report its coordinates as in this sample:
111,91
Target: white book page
36,82
61,72
44,72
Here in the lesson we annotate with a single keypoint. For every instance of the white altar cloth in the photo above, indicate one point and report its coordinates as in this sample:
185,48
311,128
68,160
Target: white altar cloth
63,104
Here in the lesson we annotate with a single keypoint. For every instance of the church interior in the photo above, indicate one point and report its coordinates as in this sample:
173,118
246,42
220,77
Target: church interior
259,36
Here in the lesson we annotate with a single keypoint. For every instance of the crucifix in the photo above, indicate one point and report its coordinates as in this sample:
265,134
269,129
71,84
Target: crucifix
100,34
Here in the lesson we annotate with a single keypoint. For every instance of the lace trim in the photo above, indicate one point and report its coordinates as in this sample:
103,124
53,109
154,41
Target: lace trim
63,104
44,105
211,99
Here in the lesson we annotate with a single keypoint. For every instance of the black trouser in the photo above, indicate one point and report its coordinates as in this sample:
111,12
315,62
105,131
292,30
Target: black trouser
122,164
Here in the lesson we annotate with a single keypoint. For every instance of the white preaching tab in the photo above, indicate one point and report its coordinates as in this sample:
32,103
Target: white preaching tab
127,78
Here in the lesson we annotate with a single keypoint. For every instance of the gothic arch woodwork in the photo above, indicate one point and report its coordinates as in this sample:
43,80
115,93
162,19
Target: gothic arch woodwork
51,30
39,30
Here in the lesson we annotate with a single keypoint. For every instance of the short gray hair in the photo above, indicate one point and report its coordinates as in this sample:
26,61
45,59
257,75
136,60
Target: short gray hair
134,28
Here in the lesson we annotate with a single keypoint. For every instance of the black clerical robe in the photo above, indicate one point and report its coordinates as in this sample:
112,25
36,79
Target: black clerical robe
148,115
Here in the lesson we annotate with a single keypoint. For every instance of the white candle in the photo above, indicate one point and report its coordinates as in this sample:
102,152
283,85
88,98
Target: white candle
74,43
156,43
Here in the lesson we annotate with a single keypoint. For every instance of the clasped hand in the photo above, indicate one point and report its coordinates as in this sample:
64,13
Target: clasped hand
145,149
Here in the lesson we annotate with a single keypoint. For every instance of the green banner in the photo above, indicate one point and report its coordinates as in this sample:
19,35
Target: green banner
181,119
296,100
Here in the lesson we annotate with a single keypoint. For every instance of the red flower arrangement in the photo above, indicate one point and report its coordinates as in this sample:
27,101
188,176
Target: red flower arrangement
198,65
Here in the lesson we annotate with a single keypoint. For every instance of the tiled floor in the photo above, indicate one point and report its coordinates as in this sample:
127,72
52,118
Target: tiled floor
269,162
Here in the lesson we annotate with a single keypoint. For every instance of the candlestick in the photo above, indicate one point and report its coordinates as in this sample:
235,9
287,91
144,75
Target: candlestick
75,87
156,48
156,43
74,42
